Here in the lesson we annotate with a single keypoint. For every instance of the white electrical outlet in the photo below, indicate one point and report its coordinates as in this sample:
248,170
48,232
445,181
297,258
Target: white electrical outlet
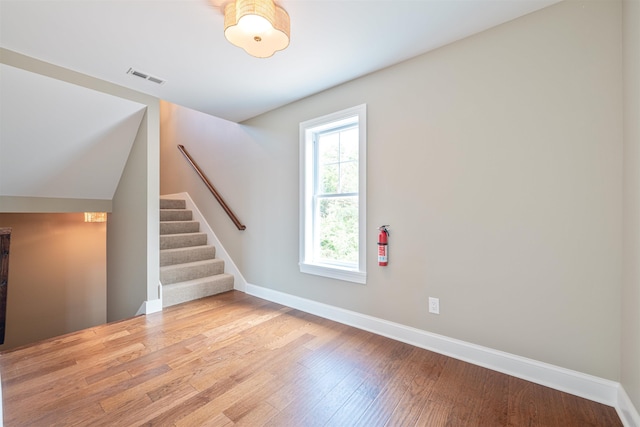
434,305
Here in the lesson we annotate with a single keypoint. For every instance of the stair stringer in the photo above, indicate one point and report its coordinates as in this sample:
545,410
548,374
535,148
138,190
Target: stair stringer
239,282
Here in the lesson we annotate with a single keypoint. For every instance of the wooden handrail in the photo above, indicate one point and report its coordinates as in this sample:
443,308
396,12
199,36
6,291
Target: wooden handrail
211,188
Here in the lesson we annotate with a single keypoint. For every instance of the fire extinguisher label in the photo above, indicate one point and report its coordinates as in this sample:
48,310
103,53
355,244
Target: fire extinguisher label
382,253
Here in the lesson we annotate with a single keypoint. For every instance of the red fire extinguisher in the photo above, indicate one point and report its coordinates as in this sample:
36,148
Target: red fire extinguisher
383,245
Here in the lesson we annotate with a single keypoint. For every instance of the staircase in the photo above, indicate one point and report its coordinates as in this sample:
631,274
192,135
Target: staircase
188,267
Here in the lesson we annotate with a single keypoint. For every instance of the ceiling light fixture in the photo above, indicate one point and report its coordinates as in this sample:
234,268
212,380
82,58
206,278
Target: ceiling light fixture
260,27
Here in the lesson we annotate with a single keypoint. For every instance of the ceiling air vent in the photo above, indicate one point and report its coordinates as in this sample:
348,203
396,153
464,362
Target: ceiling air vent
153,79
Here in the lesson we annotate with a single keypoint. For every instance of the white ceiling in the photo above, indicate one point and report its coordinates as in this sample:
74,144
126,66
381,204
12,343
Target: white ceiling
58,140
181,41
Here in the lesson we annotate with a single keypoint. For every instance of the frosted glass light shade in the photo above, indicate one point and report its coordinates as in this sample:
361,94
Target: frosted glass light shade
260,27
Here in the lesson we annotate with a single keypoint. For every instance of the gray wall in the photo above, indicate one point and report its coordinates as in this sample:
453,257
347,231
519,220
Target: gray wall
631,279
133,250
497,160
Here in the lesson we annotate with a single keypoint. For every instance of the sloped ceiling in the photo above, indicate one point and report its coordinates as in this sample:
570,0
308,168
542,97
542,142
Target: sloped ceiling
59,140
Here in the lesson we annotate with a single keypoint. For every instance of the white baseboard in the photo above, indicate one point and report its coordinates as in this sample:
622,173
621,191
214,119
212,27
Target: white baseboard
151,306
566,380
626,411
239,282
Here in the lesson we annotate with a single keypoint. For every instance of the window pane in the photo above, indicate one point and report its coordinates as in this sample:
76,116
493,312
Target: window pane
328,179
349,144
338,162
338,230
328,148
349,177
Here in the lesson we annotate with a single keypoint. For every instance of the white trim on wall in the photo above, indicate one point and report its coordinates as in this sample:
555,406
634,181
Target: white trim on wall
150,306
626,411
577,383
310,131
239,282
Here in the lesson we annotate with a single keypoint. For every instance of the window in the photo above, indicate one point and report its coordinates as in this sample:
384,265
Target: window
333,195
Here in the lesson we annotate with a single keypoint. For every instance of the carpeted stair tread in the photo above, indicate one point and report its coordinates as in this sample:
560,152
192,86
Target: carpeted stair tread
173,204
175,215
192,270
194,289
182,240
187,254
178,227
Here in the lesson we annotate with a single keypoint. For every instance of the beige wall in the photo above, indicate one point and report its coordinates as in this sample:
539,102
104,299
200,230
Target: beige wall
630,374
57,276
497,160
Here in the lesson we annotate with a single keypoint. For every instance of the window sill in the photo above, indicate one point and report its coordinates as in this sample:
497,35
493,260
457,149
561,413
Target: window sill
335,273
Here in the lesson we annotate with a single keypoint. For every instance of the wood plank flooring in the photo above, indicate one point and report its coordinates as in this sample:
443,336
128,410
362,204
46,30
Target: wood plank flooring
236,360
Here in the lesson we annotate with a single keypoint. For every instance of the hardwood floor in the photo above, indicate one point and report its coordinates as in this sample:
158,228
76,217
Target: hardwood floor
233,359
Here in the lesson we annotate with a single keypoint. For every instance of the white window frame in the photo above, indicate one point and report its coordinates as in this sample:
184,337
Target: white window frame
307,169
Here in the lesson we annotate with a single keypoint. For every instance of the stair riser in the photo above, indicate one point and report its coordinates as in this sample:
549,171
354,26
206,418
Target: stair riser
179,293
177,227
175,215
189,254
172,204
188,268
184,272
171,241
